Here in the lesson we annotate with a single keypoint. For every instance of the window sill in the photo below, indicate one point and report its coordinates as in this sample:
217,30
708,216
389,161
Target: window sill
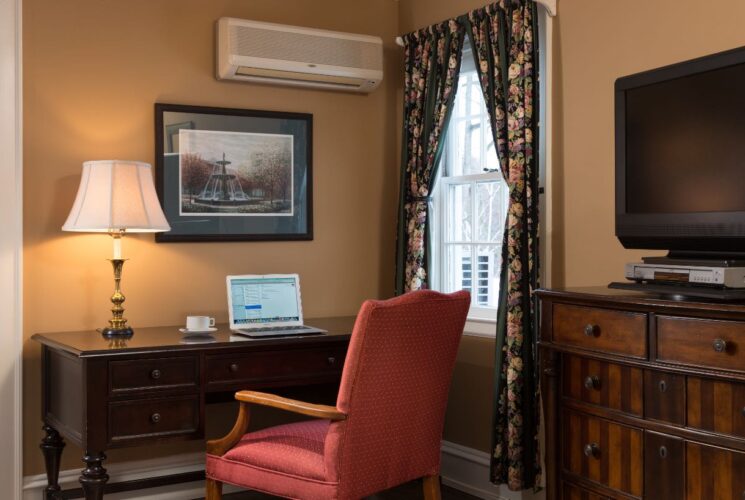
479,327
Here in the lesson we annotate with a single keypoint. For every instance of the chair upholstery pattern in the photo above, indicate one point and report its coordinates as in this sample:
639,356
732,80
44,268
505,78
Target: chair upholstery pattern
394,391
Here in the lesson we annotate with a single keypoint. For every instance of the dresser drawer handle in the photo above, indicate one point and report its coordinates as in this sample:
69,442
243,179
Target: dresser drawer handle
331,360
663,386
591,330
234,367
155,418
592,382
720,345
592,450
663,452
155,374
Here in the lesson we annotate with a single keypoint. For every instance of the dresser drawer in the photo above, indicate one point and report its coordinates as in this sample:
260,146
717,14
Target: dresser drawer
604,384
154,374
146,419
664,465
604,452
716,406
603,330
714,473
701,342
274,367
665,397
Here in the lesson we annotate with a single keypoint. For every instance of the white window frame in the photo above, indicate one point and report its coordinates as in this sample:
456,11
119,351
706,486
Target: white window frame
481,320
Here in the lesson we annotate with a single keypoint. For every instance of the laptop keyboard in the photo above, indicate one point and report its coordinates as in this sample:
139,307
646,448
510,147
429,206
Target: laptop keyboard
277,328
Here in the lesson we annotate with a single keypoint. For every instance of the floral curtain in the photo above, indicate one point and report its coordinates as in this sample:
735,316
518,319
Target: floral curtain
503,36
432,62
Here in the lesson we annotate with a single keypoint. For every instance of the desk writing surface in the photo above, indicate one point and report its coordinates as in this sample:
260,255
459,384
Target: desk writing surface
90,343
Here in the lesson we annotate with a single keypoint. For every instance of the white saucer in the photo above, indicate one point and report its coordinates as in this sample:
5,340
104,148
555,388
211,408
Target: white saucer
186,331
197,339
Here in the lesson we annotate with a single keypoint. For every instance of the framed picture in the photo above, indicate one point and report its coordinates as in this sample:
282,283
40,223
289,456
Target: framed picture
234,174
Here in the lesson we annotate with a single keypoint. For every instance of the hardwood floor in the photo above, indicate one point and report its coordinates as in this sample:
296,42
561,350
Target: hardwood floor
408,491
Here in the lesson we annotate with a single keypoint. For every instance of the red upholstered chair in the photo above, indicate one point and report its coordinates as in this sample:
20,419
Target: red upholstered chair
387,424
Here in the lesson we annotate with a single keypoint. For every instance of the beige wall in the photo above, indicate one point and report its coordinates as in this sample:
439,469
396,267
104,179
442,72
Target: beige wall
92,71
596,42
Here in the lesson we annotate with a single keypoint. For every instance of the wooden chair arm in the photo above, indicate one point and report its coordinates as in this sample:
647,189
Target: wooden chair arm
301,407
220,446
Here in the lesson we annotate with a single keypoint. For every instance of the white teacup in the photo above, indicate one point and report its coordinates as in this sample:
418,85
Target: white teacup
198,323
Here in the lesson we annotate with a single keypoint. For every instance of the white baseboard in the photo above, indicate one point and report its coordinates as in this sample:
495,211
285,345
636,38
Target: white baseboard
463,468
467,470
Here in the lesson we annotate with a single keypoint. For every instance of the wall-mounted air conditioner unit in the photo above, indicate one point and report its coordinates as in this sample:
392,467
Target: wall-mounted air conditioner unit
259,52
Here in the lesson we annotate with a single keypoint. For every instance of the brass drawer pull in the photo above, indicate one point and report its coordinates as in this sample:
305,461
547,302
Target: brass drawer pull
234,367
155,418
592,450
663,452
592,382
663,386
155,374
720,345
591,330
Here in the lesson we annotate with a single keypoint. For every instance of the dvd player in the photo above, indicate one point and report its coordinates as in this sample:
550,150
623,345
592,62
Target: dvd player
714,276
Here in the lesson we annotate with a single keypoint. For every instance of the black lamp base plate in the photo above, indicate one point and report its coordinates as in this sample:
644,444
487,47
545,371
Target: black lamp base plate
109,332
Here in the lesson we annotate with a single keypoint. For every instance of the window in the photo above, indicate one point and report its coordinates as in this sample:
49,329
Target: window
470,201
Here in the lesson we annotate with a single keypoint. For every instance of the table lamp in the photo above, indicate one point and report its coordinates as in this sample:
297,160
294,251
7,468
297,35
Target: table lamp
116,197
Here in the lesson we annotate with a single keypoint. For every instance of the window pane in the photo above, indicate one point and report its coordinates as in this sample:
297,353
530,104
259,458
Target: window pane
491,209
486,275
462,272
459,212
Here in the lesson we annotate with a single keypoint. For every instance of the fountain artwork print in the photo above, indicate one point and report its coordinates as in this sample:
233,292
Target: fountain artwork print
235,173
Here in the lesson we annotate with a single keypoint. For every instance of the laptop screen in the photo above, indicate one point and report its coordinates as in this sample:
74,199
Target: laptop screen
264,300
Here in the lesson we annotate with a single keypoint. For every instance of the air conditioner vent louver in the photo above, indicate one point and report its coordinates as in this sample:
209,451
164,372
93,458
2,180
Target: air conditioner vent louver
271,53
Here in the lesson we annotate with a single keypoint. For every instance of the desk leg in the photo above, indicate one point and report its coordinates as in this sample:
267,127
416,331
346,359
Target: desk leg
94,476
51,446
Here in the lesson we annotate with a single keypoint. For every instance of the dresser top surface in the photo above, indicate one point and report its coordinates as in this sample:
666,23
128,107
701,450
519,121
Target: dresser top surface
90,343
604,295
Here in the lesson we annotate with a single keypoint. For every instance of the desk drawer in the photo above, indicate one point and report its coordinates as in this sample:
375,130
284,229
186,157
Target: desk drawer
716,406
603,330
603,452
701,342
609,385
274,367
156,418
154,374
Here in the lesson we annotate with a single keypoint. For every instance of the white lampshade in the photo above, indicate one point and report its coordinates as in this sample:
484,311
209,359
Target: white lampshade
116,195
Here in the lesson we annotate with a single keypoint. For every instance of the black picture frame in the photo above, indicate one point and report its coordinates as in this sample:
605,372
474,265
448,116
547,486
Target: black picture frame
266,196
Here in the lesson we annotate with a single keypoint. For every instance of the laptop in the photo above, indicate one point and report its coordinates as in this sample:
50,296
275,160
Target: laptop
266,306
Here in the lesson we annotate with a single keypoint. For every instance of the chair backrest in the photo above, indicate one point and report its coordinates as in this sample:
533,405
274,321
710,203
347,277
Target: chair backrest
394,390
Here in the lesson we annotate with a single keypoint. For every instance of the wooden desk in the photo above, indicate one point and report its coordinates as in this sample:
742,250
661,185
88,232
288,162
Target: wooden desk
152,388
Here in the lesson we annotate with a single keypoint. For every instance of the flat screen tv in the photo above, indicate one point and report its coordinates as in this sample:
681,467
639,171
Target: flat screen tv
680,158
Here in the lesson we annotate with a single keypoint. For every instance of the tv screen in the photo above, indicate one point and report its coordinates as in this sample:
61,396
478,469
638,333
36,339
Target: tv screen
680,156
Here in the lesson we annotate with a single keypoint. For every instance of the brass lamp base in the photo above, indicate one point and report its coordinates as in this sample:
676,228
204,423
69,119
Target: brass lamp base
118,327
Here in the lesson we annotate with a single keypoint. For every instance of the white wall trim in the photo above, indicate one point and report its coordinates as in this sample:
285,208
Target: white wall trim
463,468
11,247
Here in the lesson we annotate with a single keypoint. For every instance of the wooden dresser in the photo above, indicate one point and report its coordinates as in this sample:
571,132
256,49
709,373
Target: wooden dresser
643,397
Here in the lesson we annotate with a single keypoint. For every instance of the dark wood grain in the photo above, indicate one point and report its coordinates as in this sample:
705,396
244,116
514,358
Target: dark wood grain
619,332
609,385
154,374
573,492
714,473
664,465
147,420
716,406
664,396
617,459
691,341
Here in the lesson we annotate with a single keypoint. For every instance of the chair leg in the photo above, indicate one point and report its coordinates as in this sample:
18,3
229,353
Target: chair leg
432,487
214,489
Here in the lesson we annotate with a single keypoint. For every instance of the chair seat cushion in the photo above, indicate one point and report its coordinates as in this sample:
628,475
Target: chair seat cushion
295,449
286,460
